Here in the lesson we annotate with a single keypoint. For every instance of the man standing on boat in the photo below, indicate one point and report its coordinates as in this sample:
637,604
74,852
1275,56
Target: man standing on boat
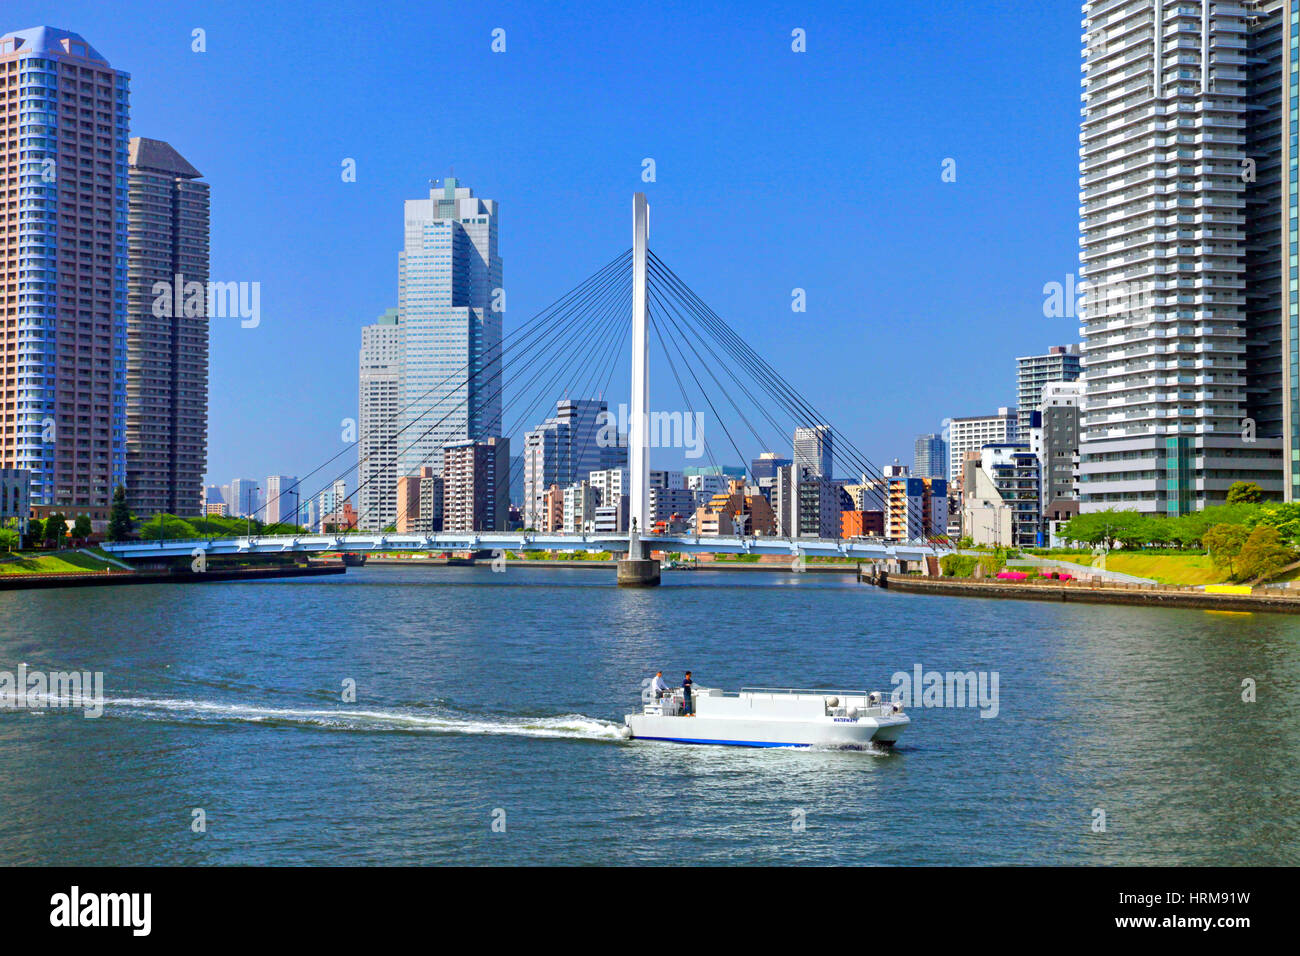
659,685
688,706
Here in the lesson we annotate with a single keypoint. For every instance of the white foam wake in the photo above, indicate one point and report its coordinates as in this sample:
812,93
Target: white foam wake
574,726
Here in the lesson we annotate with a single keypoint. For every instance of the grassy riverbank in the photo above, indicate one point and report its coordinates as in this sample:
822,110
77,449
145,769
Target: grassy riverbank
54,562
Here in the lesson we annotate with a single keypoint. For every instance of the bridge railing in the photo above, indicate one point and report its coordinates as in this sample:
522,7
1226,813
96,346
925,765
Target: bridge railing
527,541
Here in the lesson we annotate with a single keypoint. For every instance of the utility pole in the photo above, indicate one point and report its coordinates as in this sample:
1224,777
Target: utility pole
248,512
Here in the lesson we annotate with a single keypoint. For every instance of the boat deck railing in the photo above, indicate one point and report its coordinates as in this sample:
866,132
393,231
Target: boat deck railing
811,691
882,707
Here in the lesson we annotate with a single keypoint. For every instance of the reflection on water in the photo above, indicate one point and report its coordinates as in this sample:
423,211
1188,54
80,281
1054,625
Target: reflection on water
478,692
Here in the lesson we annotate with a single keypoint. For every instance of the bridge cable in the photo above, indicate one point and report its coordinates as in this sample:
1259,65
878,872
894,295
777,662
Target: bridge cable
787,393
529,328
557,334
780,389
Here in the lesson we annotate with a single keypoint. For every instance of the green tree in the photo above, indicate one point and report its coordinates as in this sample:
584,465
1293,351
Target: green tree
81,528
1159,530
1263,555
1244,493
1107,528
1083,529
10,539
35,532
1130,529
172,527
56,526
1225,542
119,517
1283,516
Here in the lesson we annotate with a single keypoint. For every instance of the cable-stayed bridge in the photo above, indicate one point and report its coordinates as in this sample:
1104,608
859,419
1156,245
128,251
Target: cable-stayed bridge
864,549
572,348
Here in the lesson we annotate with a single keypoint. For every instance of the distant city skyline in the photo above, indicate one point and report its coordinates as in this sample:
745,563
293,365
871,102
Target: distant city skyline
584,154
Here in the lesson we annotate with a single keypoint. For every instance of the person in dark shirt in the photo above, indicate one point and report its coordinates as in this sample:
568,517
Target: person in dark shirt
688,705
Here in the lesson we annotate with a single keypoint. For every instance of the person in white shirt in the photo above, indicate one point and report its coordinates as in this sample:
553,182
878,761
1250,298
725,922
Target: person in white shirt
658,685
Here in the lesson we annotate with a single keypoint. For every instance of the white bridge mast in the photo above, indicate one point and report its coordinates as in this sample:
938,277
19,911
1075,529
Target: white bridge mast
638,443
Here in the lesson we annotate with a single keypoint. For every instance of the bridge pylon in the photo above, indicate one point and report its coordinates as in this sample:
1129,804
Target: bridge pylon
638,569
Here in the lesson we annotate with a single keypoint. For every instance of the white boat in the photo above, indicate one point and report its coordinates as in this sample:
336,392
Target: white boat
772,717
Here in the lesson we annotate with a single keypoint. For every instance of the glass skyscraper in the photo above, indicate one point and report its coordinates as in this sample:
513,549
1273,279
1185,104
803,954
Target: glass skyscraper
450,312
930,457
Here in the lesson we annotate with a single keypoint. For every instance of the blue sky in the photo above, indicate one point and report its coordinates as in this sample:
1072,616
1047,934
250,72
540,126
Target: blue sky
775,170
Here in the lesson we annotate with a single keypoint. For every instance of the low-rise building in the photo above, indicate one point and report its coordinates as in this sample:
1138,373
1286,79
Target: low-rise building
862,524
611,518
343,518
476,485
1000,501
667,501
580,503
552,510
918,508
419,502
738,510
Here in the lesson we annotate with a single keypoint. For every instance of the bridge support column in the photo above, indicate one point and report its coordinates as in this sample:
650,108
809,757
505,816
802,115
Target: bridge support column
638,573
638,569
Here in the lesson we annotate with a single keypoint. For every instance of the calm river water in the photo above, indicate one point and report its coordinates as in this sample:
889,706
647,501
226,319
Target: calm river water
487,698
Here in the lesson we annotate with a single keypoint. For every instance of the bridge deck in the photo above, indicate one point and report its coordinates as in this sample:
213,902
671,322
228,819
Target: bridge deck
862,549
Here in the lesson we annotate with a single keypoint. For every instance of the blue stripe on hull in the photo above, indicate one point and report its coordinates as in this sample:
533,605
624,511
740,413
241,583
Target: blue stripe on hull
727,743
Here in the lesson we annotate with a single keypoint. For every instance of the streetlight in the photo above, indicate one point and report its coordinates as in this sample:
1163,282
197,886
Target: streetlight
248,512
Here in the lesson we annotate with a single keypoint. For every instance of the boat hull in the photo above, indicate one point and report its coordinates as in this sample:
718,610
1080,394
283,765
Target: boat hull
734,732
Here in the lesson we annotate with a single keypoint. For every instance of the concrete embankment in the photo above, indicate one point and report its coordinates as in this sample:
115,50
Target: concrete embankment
20,582
1147,595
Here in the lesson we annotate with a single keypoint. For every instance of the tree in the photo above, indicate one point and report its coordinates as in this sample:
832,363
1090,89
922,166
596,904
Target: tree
1263,555
56,526
172,528
119,517
1084,529
1106,528
1159,530
1224,542
81,528
10,538
1244,493
35,532
1130,528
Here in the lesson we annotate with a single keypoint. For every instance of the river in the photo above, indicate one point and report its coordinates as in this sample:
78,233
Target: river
486,726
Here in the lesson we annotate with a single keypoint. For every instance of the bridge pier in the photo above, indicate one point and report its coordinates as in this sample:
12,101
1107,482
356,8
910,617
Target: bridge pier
638,573
638,569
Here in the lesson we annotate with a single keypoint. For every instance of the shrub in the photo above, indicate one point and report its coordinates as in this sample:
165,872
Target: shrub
1263,555
1244,493
957,565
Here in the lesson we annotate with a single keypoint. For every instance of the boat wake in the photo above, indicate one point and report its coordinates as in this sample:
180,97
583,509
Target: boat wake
871,749
567,726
